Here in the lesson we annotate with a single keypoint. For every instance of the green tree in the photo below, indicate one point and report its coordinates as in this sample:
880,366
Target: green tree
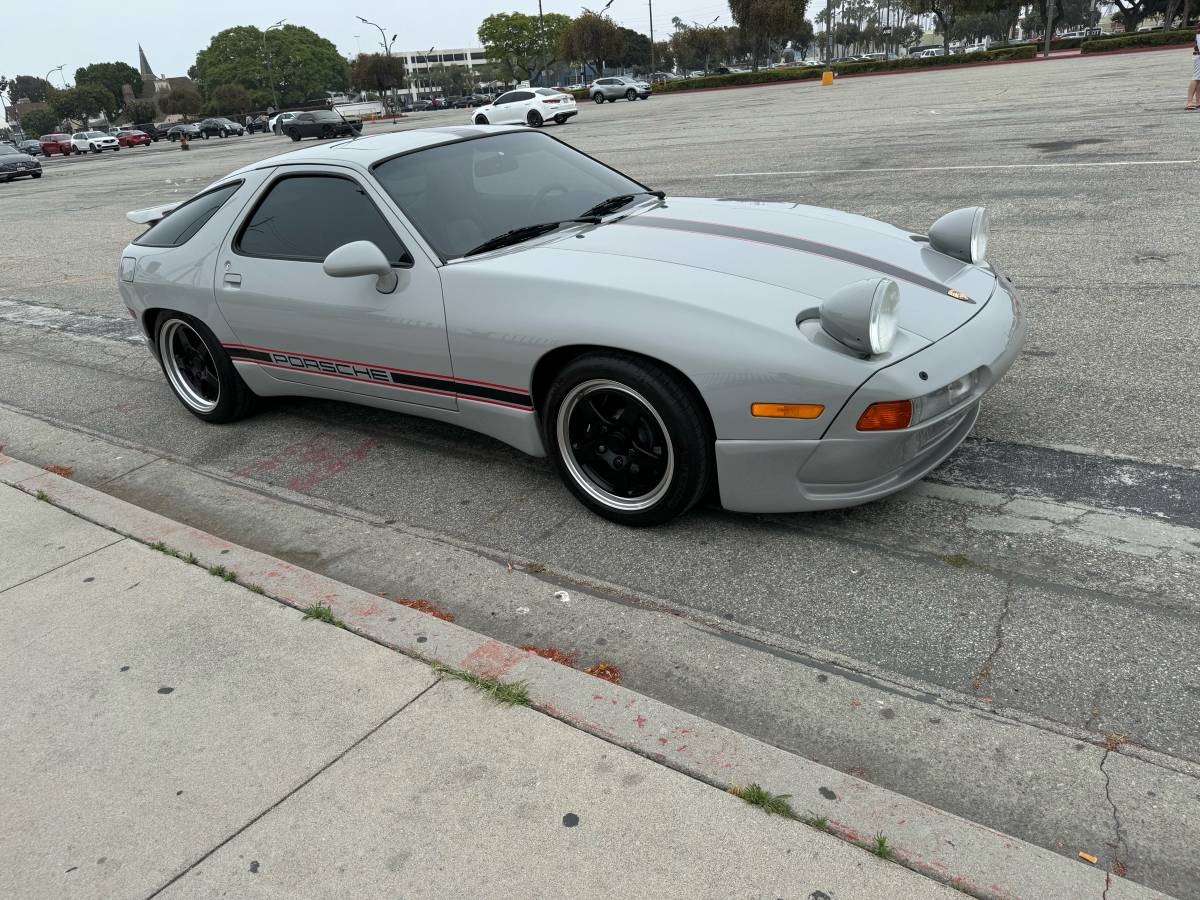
946,12
28,87
81,102
141,111
767,22
635,51
377,72
298,62
38,122
230,100
519,46
592,39
185,102
112,76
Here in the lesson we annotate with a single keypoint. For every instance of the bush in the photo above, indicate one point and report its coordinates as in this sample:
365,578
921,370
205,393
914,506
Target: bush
804,73
1142,39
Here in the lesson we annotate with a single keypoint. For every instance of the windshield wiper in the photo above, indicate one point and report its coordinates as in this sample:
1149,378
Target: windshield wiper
524,233
612,204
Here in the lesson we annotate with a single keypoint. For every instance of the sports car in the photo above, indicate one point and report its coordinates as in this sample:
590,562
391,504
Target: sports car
657,349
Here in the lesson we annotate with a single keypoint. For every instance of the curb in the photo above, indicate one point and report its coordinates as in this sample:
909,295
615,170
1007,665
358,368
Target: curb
977,860
1061,55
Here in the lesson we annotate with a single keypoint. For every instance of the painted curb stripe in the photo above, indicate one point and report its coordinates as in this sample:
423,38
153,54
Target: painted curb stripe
384,376
801,245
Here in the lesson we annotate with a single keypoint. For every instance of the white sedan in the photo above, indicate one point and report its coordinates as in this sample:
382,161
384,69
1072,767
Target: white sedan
528,106
278,120
96,141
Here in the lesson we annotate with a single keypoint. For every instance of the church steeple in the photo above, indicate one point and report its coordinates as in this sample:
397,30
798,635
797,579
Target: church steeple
144,65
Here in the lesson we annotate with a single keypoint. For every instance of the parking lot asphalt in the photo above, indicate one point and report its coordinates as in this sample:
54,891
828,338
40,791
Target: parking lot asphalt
1045,578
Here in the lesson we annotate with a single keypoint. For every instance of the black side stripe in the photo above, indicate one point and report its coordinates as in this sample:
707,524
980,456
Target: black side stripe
243,353
790,243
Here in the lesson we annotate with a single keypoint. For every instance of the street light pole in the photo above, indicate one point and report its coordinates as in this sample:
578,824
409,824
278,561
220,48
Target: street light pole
270,72
387,51
650,3
541,40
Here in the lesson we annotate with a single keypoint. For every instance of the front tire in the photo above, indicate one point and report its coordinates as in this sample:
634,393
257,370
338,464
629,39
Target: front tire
199,370
481,120
630,438
631,95
294,134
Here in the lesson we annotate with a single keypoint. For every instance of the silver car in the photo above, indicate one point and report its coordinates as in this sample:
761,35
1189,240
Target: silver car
617,87
657,349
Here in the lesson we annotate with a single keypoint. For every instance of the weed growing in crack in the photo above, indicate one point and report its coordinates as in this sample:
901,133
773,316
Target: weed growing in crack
42,495
511,693
190,559
230,576
254,588
821,823
881,848
958,560
756,795
218,571
323,613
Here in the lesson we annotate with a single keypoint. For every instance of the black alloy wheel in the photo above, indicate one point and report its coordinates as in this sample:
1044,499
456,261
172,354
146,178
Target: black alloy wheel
534,118
199,370
630,438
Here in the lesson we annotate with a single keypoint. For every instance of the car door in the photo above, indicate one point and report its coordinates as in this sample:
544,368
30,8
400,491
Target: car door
502,110
337,334
79,141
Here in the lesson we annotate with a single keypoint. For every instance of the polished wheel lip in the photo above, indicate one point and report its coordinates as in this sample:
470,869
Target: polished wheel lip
562,427
168,346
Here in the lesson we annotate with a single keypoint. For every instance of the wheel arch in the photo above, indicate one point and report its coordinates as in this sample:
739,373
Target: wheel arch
553,362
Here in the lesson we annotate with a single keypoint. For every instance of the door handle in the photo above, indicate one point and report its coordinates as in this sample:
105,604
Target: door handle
233,279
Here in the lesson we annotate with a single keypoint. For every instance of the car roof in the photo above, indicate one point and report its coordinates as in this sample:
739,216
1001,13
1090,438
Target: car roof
364,151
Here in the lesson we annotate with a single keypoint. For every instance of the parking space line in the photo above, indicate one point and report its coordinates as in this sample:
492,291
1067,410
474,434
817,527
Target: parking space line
1060,165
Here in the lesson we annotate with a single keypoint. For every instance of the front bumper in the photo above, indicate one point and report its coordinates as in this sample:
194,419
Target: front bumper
845,466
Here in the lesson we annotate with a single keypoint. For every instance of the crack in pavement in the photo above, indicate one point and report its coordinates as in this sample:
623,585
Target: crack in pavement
985,671
1120,848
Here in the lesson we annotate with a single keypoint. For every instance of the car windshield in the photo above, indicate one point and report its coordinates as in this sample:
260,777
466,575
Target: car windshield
545,92
8,150
462,194
93,134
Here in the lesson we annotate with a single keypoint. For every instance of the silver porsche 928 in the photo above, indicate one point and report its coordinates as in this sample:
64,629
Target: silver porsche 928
794,358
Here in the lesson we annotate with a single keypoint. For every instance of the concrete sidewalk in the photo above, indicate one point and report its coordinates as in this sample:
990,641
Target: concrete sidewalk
168,731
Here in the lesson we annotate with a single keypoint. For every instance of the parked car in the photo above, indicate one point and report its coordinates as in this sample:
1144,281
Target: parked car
322,123
219,126
133,138
155,130
56,143
95,141
257,123
529,106
280,119
763,353
33,148
175,132
16,164
616,87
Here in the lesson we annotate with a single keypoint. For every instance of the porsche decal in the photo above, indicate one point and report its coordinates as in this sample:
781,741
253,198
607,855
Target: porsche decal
385,376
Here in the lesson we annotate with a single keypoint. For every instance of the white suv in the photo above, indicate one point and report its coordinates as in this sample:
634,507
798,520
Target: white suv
96,141
615,88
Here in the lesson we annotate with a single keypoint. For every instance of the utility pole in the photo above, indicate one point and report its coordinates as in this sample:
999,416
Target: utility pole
270,73
828,33
650,3
541,41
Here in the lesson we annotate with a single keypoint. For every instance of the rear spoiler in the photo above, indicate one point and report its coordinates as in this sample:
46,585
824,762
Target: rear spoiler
153,215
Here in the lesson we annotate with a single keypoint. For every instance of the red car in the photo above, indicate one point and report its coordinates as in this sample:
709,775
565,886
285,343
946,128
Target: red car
56,143
132,138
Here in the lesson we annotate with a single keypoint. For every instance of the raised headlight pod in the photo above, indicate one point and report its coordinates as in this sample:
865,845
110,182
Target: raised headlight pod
962,234
862,315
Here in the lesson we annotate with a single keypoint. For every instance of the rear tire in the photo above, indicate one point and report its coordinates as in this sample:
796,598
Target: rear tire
630,438
598,97
534,118
199,371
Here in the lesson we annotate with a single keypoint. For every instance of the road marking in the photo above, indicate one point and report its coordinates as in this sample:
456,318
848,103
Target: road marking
1062,165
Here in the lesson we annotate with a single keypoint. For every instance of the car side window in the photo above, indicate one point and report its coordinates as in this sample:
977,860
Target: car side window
307,217
178,227
505,98
522,95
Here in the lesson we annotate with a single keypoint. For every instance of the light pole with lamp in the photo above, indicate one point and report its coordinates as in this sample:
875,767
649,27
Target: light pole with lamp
387,51
57,69
706,44
270,73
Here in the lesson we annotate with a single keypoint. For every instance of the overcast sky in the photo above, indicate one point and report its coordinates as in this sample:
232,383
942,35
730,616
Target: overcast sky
76,32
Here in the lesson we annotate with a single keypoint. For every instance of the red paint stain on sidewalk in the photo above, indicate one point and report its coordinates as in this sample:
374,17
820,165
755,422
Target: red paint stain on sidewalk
492,658
426,607
64,471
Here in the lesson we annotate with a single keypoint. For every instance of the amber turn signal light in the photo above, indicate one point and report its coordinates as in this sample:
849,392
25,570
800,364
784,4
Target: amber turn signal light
890,415
787,410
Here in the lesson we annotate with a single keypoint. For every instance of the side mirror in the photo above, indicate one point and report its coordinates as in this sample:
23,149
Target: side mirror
361,258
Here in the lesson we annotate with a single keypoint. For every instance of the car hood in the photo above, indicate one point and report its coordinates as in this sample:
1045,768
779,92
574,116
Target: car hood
805,249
